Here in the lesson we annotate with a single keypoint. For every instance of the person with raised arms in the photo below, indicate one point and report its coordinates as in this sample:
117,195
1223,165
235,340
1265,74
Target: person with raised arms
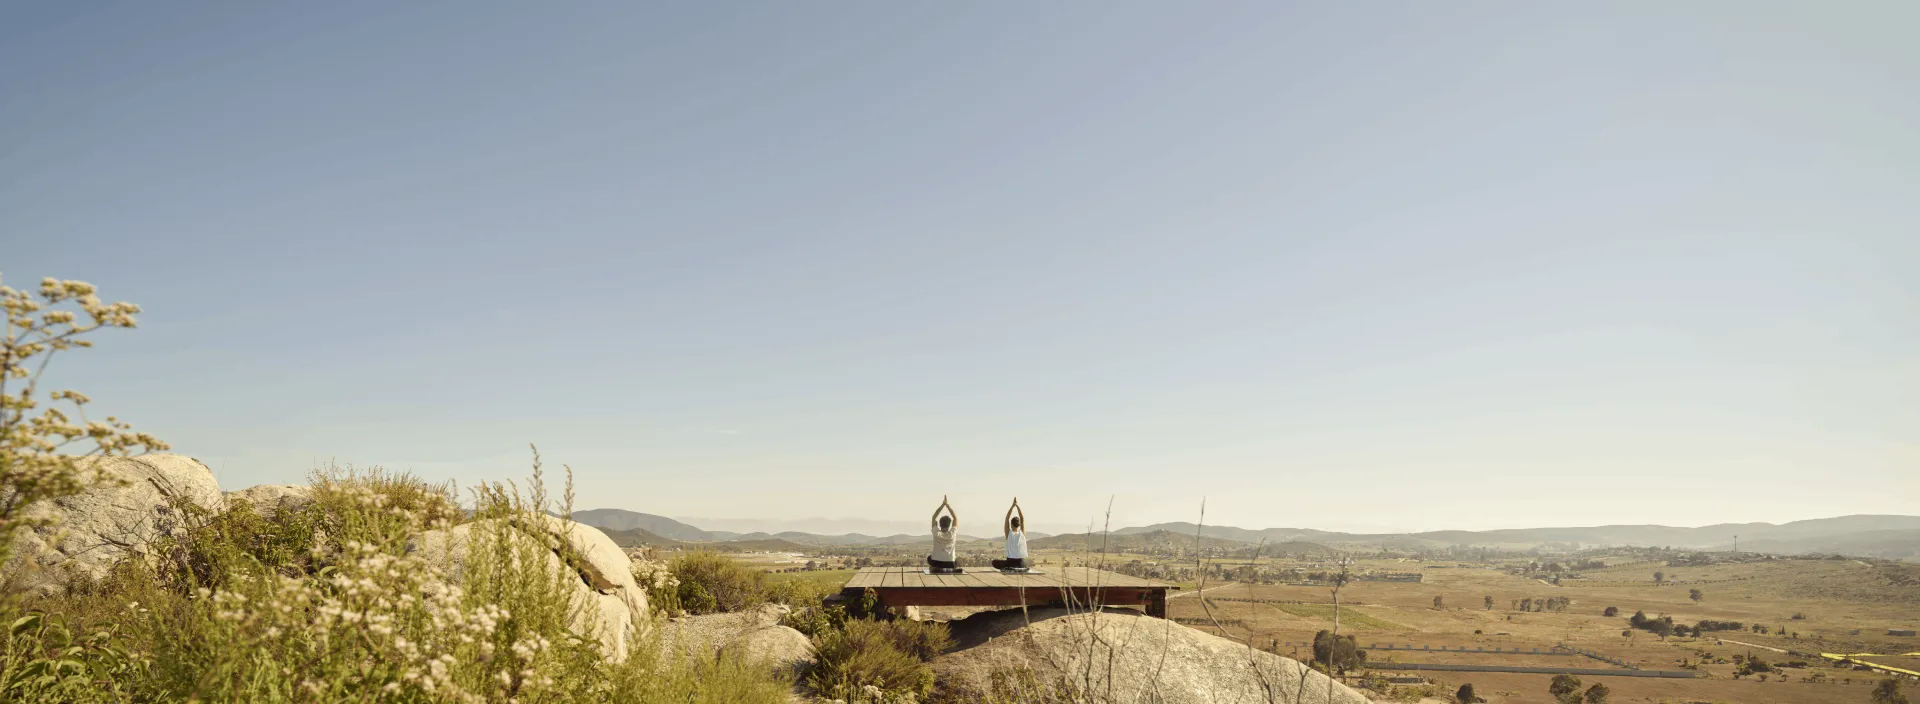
1015,529
946,530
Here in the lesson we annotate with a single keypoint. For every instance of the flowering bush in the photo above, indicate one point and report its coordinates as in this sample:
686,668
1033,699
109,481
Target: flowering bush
863,662
330,602
663,589
37,459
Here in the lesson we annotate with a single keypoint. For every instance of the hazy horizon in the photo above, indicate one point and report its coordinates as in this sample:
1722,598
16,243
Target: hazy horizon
825,526
1384,268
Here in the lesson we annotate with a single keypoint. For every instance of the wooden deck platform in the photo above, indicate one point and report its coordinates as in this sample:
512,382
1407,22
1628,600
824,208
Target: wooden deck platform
910,586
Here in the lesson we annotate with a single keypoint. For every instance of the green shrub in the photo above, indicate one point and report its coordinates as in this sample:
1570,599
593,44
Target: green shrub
798,593
814,621
924,640
861,661
214,549
711,583
382,508
44,661
370,622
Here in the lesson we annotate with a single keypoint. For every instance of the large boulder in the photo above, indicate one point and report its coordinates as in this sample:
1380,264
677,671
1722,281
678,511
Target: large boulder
129,503
1133,657
270,499
613,608
754,635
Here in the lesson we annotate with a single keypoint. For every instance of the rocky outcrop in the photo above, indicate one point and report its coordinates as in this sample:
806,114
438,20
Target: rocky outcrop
1133,657
755,635
613,606
129,502
270,499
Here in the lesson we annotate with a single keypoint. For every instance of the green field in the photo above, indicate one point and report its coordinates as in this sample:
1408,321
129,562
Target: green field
832,579
1348,616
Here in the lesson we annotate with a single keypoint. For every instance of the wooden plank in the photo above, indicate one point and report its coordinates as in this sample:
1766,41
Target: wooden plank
862,579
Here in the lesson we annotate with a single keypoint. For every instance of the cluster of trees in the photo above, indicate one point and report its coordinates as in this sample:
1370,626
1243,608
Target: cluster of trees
1662,626
1566,690
1710,625
1751,665
1552,603
1342,654
1558,568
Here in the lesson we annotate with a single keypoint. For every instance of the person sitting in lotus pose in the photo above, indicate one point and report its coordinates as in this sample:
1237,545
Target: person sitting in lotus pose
1014,527
945,531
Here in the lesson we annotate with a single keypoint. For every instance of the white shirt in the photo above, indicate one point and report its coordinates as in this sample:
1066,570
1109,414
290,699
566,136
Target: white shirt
943,542
1017,545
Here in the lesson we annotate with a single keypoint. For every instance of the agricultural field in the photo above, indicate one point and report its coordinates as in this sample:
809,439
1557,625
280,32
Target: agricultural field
1808,606
831,579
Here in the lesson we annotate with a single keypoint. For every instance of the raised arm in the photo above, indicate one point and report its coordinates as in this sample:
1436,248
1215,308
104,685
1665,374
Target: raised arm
1006,524
1023,515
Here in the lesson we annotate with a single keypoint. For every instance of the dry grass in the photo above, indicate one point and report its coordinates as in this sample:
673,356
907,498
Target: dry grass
1835,597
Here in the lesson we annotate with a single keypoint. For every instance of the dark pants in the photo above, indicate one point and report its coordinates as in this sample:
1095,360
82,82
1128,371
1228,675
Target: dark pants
942,564
1014,563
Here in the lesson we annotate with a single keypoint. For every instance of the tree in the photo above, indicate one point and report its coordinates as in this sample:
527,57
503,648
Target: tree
38,460
1597,694
1439,603
1489,602
1611,612
1565,688
1888,693
1342,652
1695,594
1466,695
1659,576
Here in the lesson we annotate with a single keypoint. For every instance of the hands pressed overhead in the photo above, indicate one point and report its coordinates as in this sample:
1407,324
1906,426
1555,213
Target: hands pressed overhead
946,531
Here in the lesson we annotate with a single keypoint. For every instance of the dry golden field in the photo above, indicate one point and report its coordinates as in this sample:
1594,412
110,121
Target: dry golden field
1833,598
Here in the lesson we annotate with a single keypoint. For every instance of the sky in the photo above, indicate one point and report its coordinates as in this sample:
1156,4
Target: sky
1348,266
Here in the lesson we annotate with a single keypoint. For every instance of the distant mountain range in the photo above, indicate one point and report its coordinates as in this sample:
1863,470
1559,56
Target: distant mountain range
1890,537
664,529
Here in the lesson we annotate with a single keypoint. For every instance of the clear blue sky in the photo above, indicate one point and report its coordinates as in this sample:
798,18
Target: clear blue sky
1347,265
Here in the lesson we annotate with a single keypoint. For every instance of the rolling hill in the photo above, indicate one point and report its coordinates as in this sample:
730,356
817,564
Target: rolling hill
1862,535
622,519
1880,536
614,520
1131,542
